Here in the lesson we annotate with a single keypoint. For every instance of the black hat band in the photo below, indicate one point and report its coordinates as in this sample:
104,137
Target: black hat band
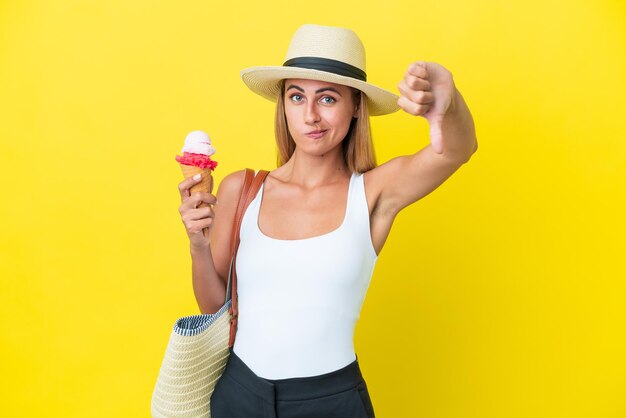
328,65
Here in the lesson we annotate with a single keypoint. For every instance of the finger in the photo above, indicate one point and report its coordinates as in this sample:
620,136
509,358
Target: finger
419,96
196,200
418,69
183,186
412,107
195,215
192,202
196,227
207,198
436,138
200,213
206,220
416,83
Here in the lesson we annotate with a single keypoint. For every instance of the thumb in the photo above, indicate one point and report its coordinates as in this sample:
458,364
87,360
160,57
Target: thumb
436,135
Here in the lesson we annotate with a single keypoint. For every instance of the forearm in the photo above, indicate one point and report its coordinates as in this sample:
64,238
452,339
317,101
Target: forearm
208,288
458,131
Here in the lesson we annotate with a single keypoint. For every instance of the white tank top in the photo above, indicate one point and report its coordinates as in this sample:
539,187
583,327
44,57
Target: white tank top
299,300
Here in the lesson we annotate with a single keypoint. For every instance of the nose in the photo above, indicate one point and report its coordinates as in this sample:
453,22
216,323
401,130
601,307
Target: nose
311,114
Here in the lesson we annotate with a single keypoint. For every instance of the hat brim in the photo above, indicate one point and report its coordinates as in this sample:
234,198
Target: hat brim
265,81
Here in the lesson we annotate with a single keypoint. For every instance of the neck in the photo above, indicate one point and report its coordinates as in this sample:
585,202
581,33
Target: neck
311,171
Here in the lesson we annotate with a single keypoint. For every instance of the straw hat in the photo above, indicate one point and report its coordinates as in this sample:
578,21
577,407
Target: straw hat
324,53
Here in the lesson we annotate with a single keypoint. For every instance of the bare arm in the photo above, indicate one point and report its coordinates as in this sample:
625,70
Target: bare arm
208,288
221,234
427,90
210,259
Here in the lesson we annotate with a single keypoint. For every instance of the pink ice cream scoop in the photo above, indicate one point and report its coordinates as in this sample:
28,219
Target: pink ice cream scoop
197,151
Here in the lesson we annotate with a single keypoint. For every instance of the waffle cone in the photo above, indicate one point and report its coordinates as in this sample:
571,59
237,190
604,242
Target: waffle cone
205,185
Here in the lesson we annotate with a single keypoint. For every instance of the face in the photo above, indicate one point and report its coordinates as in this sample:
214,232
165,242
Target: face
318,113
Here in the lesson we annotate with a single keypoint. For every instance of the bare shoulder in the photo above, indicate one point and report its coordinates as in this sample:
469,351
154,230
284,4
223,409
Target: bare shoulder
227,196
231,184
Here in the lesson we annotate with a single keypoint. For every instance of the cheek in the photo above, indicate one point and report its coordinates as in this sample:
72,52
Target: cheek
290,112
340,120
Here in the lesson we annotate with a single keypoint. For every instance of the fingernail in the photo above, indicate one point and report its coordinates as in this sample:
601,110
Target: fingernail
197,176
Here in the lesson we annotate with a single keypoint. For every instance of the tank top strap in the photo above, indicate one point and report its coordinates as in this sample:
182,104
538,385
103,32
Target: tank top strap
360,216
250,216
356,200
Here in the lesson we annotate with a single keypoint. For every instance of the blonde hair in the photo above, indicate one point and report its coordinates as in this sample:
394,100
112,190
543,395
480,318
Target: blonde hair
358,149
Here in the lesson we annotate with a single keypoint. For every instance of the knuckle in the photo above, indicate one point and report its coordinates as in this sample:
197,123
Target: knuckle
408,109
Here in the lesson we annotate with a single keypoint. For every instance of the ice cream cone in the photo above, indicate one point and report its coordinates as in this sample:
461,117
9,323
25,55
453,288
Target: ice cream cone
205,185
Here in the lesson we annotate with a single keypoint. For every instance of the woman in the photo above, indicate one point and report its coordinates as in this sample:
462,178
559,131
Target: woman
312,235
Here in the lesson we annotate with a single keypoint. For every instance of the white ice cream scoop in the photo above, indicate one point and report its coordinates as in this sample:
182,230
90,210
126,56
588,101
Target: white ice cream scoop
198,142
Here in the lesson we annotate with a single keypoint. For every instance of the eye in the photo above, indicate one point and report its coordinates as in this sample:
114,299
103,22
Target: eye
293,96
332,99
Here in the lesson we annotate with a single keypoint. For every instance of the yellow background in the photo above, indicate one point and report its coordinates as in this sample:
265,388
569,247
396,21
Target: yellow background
501,294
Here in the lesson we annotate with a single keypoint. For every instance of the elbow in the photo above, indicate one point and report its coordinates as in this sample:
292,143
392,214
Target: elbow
473,151
462,156
468,156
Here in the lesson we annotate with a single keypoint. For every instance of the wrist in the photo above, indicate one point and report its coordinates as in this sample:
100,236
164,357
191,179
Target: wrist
202,249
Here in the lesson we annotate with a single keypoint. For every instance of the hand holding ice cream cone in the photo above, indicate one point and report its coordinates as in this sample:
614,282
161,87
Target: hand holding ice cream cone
196,159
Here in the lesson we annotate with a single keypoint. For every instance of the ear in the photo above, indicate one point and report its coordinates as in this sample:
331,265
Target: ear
357,98
355,115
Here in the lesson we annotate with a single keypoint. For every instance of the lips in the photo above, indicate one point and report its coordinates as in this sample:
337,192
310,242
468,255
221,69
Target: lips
316,134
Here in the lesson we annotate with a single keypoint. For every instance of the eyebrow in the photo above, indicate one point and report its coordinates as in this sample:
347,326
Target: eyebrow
293,86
